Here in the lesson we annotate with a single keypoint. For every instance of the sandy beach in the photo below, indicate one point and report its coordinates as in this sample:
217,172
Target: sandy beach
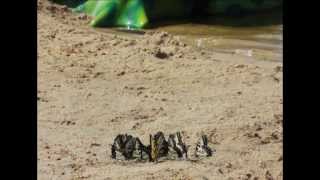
93,85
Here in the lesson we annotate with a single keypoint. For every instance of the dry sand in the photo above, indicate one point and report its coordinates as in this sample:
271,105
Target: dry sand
94,85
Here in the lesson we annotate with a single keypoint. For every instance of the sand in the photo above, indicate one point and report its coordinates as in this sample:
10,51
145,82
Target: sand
94,85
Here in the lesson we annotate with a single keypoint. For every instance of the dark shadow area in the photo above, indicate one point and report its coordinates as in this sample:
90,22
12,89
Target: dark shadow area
248,19
69,3
196,15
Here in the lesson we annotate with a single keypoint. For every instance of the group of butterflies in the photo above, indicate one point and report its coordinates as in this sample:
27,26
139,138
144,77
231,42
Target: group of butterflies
128,146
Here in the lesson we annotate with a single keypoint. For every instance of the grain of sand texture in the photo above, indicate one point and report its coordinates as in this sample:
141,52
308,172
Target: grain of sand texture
94,85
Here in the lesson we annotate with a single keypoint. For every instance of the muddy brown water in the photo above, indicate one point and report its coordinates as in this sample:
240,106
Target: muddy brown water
259,35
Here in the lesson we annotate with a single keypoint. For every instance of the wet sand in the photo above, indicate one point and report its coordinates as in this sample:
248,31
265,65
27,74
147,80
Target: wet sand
93,85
